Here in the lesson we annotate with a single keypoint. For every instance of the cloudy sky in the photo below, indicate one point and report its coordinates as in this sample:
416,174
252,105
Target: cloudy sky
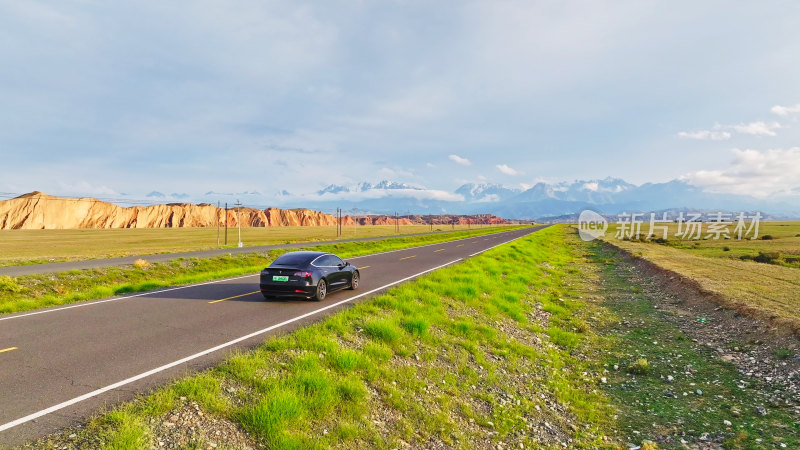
124,98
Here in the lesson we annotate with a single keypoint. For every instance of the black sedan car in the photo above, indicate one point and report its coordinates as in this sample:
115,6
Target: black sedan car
307,275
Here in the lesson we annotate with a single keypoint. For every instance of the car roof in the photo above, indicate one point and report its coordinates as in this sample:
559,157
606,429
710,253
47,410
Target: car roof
305,253
300,257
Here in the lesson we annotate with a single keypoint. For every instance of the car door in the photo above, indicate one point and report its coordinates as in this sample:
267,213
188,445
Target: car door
342,275
329,270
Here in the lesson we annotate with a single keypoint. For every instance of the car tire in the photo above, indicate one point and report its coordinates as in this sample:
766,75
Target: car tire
269,298
355,281
321,292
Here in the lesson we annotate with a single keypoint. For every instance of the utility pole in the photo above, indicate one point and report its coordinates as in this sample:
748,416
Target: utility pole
239,221
217,223
226,223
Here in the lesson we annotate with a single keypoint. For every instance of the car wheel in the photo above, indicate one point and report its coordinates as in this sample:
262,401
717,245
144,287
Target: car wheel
269,298
322,291
355,280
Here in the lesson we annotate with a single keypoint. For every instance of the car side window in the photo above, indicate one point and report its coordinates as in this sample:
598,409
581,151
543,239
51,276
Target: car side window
336,261
325,261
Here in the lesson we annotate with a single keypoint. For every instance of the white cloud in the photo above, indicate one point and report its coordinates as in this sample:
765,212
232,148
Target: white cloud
757,128
81,188
431,165
705,135
785,110
593,186
761,174
482,178
507,170
459,160
422,194
490,198
525,186
719,133
395,173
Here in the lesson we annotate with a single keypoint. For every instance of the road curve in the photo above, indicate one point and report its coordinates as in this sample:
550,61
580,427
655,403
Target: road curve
59,365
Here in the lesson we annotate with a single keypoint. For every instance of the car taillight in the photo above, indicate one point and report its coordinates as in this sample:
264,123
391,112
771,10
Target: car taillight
302,274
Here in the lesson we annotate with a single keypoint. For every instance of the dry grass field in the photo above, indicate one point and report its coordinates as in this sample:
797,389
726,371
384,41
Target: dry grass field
781,237
32,246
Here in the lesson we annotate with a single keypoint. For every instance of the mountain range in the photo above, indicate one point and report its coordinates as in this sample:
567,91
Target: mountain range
542,200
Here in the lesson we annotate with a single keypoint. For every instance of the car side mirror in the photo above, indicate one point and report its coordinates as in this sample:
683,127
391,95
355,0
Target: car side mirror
346,263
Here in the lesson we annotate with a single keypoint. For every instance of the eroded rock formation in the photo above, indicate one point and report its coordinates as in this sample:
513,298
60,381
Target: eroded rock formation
41,211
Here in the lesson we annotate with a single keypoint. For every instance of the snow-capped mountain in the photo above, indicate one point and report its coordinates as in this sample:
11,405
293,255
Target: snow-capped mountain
590,191
366,186
486,192
607,196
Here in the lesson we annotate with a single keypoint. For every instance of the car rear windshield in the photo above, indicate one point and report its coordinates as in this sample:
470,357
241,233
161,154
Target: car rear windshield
291,259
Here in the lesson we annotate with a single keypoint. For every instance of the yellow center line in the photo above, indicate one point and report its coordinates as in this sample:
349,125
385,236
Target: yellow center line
8,349
235,296
408,257
364,267
440,250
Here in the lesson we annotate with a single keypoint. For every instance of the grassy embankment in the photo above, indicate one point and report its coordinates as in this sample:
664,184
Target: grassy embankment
541,342
730,270
36,291
41,246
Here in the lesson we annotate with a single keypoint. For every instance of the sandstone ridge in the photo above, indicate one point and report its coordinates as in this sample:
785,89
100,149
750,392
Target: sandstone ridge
38,210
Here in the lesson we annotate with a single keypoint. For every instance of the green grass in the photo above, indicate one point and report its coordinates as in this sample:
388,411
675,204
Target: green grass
36,291
42,246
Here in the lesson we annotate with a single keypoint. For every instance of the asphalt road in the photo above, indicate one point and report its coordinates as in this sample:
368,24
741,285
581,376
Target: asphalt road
31,269
59,365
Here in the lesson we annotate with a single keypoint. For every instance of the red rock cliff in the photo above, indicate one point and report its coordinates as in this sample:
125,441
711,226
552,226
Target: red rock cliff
41,211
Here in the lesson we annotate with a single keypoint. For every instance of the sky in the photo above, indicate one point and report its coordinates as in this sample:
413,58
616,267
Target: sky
122,99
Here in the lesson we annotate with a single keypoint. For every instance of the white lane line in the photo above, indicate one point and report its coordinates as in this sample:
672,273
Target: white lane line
222,280
97,392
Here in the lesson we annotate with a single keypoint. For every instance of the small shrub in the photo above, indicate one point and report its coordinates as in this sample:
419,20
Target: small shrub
417,326
141,263
783,353
763,257
384,330
563,338
352,389
767,257
8,284
726,249
767,237
640,367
